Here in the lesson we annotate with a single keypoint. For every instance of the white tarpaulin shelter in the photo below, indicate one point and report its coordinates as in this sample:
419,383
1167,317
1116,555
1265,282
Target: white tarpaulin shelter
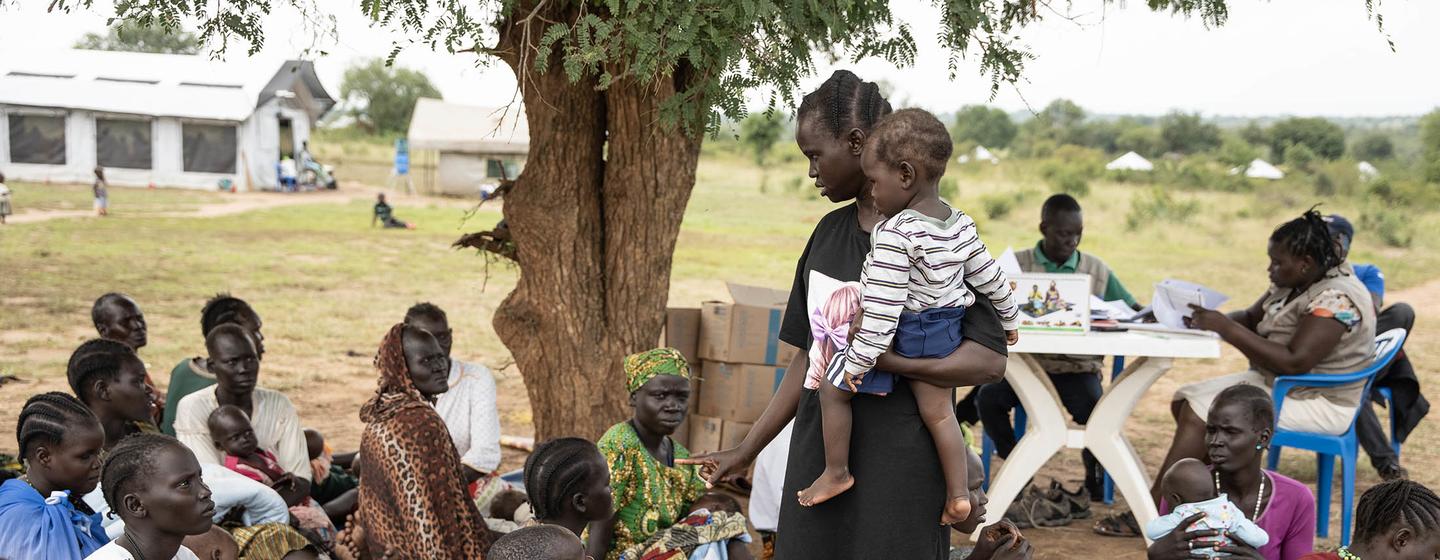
1260,169
977,155
478,146
1367,171
153,119
1131,161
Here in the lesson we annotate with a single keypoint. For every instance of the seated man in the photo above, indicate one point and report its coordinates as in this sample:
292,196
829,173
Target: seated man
468,407
1400,378
118,318
236,365
1076,378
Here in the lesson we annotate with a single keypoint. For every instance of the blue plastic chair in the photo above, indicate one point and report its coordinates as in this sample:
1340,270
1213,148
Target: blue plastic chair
1390,405
1325,446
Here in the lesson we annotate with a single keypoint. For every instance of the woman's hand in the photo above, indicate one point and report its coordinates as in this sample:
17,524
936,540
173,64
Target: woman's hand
1001,541
1182,544
1240,550
1207,319
719,465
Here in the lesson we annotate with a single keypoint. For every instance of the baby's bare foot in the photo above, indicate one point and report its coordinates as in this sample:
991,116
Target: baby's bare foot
828,485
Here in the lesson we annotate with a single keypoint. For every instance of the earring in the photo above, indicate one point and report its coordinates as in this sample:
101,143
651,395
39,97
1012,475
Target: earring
1258,446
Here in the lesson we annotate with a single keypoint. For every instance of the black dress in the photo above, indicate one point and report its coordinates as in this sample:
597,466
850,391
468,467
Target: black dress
893,511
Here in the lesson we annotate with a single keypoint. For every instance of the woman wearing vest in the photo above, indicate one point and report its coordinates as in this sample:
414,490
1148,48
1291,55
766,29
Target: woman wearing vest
1315,318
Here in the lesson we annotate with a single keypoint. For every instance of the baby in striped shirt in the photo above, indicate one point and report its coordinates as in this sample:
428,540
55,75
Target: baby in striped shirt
914,295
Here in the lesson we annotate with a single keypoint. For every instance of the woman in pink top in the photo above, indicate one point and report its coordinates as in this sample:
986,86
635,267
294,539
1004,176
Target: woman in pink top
1237,431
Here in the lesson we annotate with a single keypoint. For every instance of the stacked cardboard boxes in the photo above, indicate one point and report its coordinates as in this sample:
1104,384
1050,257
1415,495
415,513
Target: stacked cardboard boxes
741,363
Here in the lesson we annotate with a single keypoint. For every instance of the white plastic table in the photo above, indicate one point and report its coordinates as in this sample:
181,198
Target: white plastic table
1149,355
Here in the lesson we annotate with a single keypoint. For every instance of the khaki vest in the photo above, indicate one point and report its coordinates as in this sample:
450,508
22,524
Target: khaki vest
1099,278
1356,348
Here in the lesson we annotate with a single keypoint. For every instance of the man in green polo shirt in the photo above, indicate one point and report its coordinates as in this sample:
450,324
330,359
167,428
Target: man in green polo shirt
1076,378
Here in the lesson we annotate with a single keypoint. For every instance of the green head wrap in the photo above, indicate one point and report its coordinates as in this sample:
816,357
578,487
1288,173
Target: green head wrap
643,366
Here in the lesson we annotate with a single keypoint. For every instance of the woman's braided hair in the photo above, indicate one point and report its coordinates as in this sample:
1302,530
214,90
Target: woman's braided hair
556,471
1398,501
95,358
46,417
845,101
1308,236
129,463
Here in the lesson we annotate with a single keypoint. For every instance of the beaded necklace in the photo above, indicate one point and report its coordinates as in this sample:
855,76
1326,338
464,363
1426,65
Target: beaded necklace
1259,498
1345,554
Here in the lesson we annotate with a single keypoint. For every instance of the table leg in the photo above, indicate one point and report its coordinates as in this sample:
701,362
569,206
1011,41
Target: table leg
1044,436
1105,434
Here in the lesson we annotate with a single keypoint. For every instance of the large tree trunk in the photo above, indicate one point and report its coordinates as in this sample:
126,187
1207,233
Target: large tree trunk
594,225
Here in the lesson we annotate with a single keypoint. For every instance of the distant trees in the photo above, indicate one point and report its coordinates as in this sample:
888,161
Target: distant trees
1142,140
1375,145
382,97
1236,152
983,125
129,36
759,132
1430,145
1186,133
1323,138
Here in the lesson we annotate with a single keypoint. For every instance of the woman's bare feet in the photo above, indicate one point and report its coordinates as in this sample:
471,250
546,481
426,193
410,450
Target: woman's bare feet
956,510
828,485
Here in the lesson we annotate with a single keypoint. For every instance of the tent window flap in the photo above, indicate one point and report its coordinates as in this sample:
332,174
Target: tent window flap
37,139
209,148
122,143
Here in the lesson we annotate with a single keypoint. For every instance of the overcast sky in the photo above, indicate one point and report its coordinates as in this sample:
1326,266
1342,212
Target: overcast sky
1301,57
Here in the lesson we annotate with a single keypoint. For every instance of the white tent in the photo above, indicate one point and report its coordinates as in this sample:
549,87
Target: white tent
977,155
1367,171
1131,161
153,119
478,146
1260,169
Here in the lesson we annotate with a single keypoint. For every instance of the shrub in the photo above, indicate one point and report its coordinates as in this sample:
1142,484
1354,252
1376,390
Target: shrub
1299,157
1391,226
997,205
1071,183
1158,205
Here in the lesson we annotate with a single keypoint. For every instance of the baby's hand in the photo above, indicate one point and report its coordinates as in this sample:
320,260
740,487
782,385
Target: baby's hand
1012,337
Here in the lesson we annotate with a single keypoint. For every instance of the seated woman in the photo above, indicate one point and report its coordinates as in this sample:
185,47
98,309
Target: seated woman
153,483
1315,318
1394,520
412,492
1237,431
44,517
651,490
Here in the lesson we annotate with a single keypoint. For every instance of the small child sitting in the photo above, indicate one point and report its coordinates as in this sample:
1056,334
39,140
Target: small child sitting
232,434
508,511
1188,483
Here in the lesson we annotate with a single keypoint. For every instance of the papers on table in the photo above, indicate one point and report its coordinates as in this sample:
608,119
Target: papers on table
1117,310
1173,298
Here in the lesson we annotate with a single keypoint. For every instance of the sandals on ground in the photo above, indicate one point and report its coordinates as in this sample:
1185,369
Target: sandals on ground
1118,525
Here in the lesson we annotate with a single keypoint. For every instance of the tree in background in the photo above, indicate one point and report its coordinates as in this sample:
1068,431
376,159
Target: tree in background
1376,145
1299,156
1186,133
1236,152
129,36
759,132
1430,145
1059,123
618,96
985,126
1323,138
1142,140
381,97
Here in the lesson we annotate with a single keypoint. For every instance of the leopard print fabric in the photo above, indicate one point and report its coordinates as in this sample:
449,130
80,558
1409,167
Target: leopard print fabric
412,495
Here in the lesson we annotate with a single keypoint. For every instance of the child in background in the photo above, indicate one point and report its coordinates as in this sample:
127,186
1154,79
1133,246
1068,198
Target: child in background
914,294
1189,484
232,433
101,190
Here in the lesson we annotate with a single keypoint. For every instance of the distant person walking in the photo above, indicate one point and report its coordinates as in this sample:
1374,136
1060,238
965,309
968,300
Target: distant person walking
385,215
101,189
4,200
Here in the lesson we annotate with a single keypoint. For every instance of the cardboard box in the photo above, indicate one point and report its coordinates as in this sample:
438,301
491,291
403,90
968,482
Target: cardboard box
733,433
682,332
737,392
705,434
746,331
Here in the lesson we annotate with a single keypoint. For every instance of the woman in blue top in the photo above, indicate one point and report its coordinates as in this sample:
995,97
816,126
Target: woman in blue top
44,518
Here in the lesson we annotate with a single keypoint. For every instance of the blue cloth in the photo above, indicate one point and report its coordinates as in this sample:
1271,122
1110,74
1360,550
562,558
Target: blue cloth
1371,277
932,333
38,528
1219,514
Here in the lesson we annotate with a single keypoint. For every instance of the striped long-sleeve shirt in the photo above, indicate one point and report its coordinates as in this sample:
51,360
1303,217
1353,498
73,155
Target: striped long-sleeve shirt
916,263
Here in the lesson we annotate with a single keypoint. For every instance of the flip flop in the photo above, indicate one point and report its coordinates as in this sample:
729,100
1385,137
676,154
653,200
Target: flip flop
1121,525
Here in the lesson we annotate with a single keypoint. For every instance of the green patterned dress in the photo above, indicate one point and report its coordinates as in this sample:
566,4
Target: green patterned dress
649,496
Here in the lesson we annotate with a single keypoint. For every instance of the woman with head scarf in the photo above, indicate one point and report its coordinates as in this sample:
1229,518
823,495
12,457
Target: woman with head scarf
652,491
412,495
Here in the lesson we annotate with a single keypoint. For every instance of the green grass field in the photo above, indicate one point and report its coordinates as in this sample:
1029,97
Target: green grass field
328,285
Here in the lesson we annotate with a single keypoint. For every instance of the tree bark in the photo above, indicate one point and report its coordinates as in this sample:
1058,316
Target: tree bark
594,226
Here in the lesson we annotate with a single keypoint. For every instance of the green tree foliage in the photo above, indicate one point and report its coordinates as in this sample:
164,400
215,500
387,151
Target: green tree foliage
1323,138
759,132
1142,140
129,36
1430,145
1255,134
381,97
1373,146
1236,152
1059,123
983,125
1186,133
1299,156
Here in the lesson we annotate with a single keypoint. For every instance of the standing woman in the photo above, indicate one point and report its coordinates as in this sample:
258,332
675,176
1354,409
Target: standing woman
61,442
899,488
412,496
